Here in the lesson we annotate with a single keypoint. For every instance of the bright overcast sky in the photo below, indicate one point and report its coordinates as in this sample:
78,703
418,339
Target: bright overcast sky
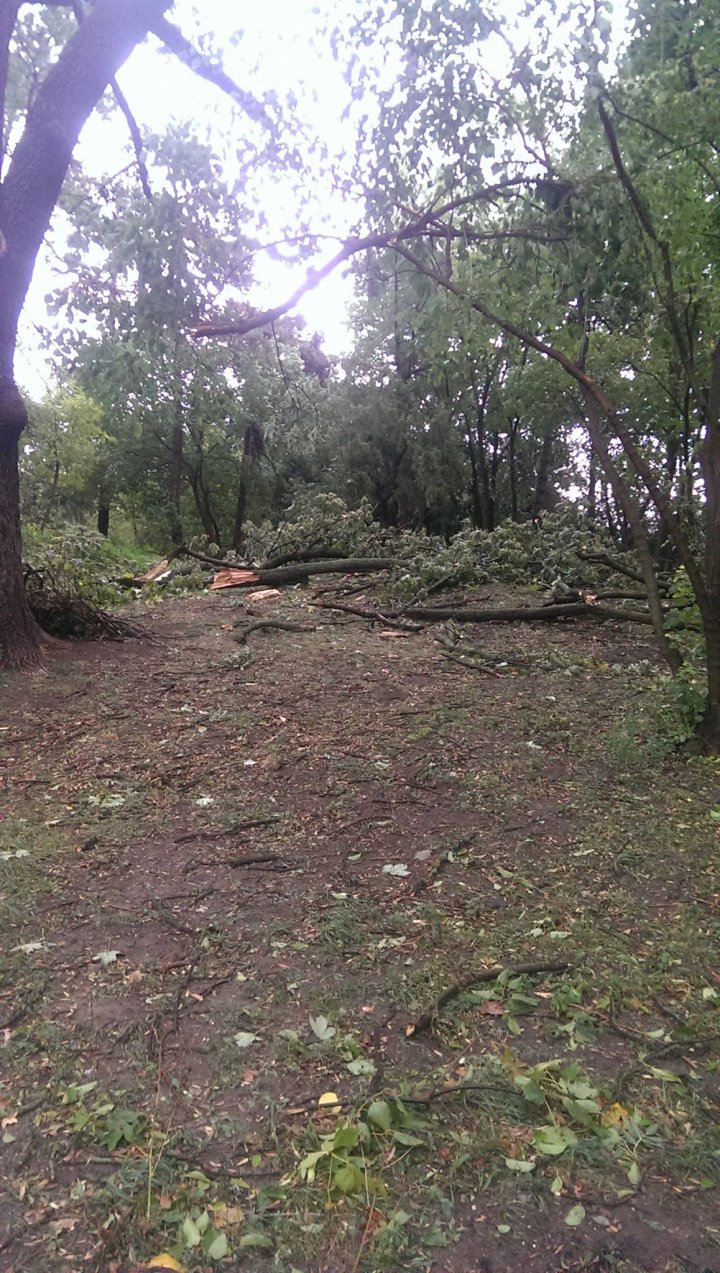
276,47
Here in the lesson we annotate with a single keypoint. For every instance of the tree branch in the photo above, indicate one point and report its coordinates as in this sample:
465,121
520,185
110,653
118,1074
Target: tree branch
642,213
351,247
135,137
175,42
8,18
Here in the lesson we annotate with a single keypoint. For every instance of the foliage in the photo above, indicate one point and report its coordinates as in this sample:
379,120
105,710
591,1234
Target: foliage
82,563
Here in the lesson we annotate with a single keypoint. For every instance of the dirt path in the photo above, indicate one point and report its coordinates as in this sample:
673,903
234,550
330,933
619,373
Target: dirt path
234,876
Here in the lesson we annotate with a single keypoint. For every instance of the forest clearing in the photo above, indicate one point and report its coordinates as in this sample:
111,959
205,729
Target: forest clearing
262,865
359,636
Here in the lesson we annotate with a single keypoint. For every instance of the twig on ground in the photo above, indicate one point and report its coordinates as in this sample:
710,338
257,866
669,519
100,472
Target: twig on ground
279,624
249,825
375,616
425,1022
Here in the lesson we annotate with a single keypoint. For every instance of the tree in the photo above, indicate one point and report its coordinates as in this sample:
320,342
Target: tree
572,210
70,88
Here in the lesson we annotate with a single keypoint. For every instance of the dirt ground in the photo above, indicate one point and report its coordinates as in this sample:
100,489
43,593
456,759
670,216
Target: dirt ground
234,878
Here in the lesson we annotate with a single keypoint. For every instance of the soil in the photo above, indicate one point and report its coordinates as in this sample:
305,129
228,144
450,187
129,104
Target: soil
208,829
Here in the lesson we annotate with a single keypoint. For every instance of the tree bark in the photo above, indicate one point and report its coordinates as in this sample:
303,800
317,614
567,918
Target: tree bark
28,195
20,637
175,478
512,461
542,483
240,509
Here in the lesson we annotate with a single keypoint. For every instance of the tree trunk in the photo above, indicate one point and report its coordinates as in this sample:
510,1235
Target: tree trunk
633,518
477,512
592,487
710,461
175,479
20,637
240,510
103,518
512,461
28,195
542,484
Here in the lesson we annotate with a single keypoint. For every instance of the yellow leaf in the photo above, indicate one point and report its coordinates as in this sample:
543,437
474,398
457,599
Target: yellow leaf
328,1098
614,1114
166,1261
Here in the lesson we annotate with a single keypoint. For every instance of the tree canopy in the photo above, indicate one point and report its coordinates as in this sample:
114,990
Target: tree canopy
533,260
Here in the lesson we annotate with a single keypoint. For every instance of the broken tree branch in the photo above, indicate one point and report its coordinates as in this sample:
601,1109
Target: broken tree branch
375,616
425,1022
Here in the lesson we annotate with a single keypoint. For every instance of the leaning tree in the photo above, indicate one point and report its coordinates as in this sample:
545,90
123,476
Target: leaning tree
95,38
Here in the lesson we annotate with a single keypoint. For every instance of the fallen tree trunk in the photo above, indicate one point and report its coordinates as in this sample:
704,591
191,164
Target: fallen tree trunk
298,572
342,566
526,614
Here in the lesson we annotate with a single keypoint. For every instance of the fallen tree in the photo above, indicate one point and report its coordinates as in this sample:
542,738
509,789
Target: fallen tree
513,614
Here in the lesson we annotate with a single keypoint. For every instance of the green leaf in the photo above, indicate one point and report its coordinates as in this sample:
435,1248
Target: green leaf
244,1038
361,1066
349,1179
260,1240
634,1174
554,1140
404,1138
191,1235
322,1029
380,1114
346,1138
519,1164
575,1216
667,1076
218,1248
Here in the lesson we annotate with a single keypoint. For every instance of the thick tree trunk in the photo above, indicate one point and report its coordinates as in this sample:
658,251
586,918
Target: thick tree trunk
542,483
240,510
20,637
103,518
28,195
477,510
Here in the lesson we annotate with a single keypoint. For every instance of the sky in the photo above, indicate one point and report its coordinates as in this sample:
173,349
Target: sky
275,49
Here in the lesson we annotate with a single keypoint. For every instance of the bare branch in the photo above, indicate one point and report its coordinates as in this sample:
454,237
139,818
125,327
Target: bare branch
644,217
135,137
175,42
351,247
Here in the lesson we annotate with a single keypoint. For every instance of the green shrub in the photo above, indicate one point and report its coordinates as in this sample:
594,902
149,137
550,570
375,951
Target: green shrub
79,562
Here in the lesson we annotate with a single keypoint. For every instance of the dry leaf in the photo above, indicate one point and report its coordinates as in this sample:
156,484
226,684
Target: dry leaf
491,1008
165,1261
328,1098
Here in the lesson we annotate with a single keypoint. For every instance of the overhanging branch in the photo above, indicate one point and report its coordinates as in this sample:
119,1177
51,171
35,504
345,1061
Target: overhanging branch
175,42
351,247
